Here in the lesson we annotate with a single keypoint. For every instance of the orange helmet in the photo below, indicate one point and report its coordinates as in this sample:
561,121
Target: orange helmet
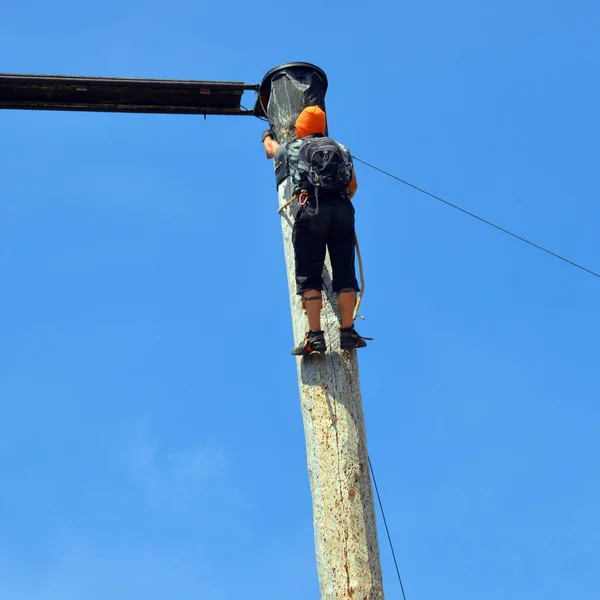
311,120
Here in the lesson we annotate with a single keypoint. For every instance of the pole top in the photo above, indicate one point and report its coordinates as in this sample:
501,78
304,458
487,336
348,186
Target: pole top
265,85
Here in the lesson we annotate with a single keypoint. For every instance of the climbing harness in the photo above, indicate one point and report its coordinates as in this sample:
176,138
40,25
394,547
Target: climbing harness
304,196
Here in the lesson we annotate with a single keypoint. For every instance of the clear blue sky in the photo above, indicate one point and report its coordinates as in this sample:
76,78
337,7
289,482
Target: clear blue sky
147,450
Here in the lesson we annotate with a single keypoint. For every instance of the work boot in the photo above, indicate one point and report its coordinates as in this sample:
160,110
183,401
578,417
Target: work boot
349,339
313,343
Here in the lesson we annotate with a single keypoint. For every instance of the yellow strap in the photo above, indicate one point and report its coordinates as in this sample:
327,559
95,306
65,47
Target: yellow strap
284,206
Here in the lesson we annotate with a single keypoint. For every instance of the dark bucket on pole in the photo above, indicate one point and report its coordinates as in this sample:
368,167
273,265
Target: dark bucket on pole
285,91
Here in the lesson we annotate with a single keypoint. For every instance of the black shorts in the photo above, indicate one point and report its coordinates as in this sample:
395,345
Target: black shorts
331,227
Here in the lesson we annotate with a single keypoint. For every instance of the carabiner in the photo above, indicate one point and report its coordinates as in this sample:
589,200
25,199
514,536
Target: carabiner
303,198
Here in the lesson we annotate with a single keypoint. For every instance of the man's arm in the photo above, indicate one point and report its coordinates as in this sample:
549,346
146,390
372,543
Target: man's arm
271,146
270,143
353,185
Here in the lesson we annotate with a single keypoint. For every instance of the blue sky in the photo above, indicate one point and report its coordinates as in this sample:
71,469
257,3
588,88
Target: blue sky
147,450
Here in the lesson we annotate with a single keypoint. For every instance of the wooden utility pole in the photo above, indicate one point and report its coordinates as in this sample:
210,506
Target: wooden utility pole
344,515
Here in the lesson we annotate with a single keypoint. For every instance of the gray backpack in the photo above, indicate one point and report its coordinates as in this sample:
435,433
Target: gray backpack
323,167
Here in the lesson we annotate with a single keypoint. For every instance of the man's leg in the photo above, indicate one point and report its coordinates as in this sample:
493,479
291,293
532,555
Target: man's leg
342,252
309,239
313,303
347,300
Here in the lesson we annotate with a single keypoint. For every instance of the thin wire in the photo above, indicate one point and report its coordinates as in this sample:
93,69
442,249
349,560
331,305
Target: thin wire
470,214
386,528
257,116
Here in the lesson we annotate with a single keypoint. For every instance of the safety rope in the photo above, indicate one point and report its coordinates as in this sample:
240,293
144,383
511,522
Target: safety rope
362,280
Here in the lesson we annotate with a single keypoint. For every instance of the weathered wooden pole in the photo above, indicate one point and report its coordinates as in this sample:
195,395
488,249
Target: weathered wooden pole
345,530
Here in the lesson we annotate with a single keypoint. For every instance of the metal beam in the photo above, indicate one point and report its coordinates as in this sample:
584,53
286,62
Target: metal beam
101,94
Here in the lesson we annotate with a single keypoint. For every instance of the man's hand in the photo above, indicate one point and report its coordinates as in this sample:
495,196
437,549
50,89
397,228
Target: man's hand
269,142
267,133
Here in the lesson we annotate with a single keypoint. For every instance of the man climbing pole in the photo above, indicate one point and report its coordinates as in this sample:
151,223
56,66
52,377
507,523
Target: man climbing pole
323,182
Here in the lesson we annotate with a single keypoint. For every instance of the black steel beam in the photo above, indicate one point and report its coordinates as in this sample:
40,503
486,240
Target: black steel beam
100,94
